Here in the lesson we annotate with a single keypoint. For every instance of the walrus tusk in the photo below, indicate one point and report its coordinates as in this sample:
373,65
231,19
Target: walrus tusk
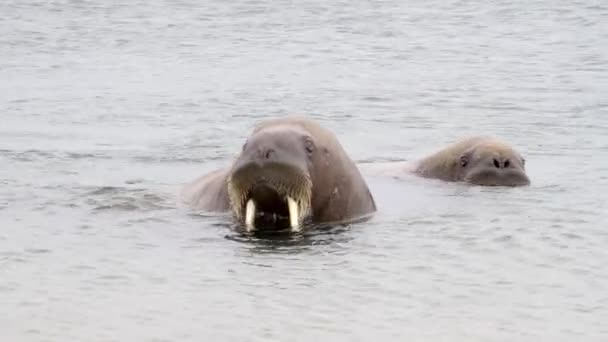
250,215
294,217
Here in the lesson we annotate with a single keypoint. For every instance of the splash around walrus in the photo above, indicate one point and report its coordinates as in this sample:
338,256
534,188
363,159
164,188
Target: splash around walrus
291,171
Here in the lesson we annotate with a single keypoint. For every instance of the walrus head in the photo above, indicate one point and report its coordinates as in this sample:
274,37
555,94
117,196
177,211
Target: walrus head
270,185
492,163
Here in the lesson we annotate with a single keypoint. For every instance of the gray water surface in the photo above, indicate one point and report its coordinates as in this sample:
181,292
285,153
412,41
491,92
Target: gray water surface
108,107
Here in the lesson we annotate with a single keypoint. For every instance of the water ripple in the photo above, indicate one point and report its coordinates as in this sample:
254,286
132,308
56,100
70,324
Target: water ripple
109,107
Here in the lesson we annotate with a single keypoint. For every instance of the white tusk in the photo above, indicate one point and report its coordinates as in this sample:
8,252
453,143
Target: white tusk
294,217
250,215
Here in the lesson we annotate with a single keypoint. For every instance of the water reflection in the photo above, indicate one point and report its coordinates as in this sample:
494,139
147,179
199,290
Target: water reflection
261,242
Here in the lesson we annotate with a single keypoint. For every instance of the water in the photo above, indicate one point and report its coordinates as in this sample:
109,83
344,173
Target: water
108,108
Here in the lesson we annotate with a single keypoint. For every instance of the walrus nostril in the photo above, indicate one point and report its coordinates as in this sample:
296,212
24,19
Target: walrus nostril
506,163
496,163
268,153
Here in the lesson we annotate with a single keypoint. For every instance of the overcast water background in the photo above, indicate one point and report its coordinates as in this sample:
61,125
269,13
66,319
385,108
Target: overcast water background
108,107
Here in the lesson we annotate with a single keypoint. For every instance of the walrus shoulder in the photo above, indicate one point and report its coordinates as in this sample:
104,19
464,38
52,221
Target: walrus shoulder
208,192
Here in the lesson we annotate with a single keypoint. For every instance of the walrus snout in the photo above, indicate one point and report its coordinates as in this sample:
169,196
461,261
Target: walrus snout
265,154
270,195
498,171
497,176
501,163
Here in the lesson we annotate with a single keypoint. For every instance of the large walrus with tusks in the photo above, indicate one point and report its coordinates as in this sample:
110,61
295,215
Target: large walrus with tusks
291,171
478,160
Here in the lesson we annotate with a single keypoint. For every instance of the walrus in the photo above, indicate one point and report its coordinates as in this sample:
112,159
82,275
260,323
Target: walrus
478,160
291,171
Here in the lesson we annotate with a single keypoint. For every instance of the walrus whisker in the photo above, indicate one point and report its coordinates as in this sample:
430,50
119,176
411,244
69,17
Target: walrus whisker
296,197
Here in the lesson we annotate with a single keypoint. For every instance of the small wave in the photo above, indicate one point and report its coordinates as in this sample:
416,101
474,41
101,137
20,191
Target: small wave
112,198
38,155
376,99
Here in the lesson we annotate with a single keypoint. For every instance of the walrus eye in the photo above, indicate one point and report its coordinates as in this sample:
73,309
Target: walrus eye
523,161
464,161
309,145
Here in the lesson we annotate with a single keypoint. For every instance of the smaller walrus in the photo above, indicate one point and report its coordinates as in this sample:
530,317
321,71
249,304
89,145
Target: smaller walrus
290,171
476,160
